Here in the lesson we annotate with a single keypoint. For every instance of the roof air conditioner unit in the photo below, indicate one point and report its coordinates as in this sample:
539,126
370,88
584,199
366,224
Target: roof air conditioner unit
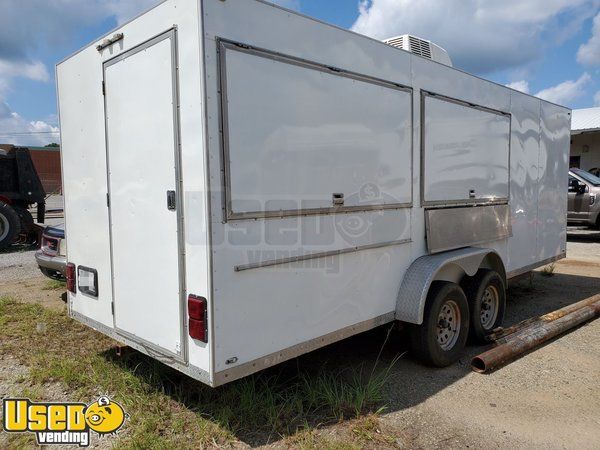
421,47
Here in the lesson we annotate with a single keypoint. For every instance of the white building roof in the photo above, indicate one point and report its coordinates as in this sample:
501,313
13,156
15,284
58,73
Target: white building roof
587,119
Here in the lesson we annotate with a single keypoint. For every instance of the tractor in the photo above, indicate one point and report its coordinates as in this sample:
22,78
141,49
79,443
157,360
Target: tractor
20,187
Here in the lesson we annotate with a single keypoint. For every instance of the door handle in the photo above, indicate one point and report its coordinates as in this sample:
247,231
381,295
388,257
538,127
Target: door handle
171,201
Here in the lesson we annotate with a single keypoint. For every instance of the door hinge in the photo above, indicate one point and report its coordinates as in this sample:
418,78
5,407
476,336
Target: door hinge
112,308
103,88
108,200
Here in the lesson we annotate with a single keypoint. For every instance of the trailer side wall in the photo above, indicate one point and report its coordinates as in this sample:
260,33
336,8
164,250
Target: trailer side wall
274,296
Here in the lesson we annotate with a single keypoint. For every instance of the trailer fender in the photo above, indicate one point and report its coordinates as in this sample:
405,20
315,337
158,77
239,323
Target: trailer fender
449,266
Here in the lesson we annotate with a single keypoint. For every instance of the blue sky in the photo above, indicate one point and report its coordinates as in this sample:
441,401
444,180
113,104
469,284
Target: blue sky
549,48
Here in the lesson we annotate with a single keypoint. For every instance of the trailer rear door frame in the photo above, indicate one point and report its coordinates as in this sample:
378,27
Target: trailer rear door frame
154,324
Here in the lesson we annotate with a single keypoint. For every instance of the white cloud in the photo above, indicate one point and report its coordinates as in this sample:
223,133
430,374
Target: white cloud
50,24
480,36
12,69
589,53
520,85
567,91
27,26
33,70
124,10
10,121
597,99
14,129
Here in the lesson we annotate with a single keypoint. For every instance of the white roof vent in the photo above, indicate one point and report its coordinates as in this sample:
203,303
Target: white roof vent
421,47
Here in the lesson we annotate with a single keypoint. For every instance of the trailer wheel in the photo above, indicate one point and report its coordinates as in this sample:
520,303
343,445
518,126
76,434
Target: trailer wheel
10,225
441,339
487,301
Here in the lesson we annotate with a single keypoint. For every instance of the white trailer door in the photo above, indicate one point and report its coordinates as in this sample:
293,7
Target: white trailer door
141,121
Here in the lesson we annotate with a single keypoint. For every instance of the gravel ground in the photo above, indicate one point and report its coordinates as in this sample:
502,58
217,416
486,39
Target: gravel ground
549,398
18,265
584,244
19,261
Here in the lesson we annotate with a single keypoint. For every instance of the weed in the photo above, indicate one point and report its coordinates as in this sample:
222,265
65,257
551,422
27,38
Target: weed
310,439
52,285
367,428
169,409
548,271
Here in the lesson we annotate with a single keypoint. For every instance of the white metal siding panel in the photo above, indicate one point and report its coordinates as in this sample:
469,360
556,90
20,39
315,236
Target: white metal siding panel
79,83
261,311
444,80
525,148
249,302
553,181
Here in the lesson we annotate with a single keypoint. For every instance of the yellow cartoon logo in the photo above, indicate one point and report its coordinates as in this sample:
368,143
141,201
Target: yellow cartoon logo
104,416
63,423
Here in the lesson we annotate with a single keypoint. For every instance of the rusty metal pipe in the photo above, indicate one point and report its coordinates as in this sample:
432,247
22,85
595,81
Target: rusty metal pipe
533,337
504,334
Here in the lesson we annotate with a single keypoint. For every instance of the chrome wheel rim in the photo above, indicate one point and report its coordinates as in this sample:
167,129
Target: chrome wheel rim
4,227
448,325
490,303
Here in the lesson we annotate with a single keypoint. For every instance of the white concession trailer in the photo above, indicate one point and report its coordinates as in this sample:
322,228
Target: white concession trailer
244,184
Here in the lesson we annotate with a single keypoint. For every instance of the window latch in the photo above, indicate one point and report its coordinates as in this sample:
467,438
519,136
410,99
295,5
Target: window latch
337,199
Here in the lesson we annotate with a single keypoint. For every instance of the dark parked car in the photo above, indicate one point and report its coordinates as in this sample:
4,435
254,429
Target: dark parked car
52,255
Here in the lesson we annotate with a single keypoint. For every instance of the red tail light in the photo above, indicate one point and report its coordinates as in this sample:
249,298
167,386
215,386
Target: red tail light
70,272
197,318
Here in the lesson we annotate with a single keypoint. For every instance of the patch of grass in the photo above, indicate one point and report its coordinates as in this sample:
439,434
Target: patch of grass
52,285
367,428
33,393
21,441
310,439
169,409
548,271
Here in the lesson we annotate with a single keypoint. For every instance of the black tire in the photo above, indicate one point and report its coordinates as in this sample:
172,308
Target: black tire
486,313
425,338
25,218
10,225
